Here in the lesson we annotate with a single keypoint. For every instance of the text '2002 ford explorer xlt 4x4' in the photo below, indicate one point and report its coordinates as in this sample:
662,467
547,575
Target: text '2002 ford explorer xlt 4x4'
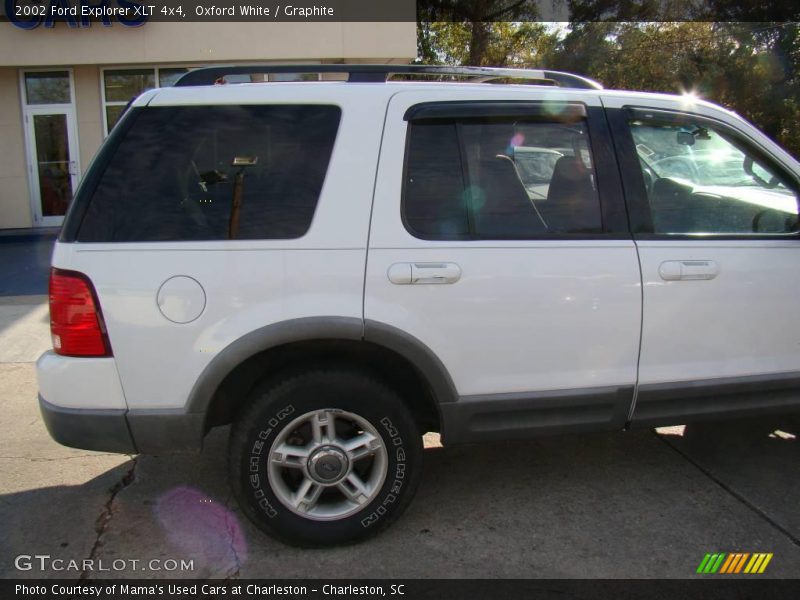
336,267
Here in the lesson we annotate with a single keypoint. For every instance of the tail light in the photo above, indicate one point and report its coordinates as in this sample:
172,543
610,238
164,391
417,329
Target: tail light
76,322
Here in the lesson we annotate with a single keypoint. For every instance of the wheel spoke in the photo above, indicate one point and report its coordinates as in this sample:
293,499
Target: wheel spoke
292,457
323,427
361,446
354,489
306,496
311,467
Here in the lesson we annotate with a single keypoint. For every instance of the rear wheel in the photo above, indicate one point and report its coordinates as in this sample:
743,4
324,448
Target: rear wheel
325,457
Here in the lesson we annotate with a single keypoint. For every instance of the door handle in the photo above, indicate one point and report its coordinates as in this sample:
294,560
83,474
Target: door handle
423,273
688,270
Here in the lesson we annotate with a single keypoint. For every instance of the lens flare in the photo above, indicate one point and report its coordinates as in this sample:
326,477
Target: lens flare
201,527
689,97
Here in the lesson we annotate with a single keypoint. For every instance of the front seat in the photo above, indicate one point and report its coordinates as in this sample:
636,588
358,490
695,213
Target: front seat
501,206
572,204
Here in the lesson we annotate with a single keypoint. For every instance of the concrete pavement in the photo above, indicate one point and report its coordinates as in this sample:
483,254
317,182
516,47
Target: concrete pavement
638,504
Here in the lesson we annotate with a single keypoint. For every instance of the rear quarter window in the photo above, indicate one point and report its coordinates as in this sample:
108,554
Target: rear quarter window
188,173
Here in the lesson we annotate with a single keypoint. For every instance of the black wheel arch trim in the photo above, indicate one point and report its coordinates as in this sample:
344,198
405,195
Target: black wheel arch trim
418,354
412,349
264,338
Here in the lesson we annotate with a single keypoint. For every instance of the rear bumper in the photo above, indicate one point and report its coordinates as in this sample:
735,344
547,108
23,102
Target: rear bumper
105,430
83,406
124,431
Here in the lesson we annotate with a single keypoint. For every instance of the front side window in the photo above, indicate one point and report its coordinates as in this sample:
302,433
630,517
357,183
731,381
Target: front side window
213,173
499,178
700,179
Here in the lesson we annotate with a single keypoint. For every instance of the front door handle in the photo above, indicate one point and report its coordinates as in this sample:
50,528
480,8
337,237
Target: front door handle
688,270
423,273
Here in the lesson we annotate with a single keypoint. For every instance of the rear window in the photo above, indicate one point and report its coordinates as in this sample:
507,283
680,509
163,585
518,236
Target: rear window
214,173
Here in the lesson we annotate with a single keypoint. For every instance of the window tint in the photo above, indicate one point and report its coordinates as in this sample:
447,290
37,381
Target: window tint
435,205
700,179
212,173
499,179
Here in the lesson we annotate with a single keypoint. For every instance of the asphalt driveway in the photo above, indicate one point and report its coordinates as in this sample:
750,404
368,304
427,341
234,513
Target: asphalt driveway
25,261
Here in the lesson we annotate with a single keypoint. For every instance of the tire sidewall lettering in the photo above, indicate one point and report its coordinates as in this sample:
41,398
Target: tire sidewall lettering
396,479
255,457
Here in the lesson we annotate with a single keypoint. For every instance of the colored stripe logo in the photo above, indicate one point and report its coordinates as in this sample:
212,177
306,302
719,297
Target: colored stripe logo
734,562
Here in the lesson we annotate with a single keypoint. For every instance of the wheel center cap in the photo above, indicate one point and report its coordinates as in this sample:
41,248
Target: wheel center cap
327,464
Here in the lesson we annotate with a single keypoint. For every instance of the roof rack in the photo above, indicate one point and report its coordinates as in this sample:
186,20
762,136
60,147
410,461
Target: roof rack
381,73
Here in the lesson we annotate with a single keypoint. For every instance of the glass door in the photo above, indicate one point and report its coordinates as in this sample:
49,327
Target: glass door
53,168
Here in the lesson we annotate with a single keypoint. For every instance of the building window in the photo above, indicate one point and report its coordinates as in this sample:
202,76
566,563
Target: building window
120,86
47,87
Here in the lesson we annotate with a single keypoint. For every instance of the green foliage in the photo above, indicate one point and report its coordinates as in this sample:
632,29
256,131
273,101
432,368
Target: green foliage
479,43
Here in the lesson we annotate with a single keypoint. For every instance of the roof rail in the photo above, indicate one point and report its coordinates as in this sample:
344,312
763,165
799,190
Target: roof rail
381,73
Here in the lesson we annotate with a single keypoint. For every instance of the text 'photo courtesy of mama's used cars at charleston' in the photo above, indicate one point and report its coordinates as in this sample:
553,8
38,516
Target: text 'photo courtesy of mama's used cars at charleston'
337,267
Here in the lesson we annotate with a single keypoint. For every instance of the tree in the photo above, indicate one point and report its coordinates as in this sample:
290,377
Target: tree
501,44
477,32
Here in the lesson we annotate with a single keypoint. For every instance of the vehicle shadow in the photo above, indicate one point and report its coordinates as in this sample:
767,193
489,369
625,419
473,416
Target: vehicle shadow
60,522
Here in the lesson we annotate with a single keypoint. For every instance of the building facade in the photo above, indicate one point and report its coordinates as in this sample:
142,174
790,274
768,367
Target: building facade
63,88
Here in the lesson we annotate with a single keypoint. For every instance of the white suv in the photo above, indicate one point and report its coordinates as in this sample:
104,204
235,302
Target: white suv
337,267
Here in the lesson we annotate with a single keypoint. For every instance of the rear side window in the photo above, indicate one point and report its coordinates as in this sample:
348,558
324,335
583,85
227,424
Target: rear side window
214,173
499,179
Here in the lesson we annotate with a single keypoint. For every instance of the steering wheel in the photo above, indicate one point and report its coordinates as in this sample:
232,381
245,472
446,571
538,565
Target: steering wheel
677,166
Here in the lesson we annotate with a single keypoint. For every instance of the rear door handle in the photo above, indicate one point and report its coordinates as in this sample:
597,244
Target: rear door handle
688,270
424,273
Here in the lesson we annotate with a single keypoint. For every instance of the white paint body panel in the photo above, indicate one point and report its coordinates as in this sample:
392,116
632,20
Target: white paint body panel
740,323
159,360
524,315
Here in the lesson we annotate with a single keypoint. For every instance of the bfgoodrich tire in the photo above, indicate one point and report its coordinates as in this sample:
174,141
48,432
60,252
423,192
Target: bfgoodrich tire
324,457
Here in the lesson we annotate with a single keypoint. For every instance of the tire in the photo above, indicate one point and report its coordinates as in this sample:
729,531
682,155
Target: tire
324,457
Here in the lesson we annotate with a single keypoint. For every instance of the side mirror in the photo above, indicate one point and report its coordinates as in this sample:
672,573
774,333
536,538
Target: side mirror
750,167
685,138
